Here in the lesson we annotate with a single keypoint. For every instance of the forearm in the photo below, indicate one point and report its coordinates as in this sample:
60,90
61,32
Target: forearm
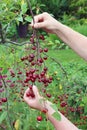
75,40
64,124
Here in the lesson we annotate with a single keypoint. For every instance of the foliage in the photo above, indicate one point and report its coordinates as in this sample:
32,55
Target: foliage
81,29
79,8
68,90
71,90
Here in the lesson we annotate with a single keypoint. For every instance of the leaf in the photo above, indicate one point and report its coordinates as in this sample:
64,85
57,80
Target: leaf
53,47
19,18
5,71
57,116
28,19
84,99
17,124
3,116
24,8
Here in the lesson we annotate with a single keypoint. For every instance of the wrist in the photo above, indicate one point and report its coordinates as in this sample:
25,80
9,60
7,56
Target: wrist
58,27
46,108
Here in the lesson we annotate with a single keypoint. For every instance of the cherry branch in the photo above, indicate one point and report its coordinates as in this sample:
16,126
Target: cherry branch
1,33
35,32
62,68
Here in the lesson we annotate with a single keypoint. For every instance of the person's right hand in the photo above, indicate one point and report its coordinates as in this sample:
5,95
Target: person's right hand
46,22
34,100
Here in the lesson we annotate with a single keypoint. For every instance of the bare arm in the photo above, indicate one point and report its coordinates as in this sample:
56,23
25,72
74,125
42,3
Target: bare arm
75,40
64,124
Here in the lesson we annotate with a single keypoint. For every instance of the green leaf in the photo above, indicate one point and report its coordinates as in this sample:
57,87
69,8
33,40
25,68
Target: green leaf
5,71
84,99
28,19
3,116
57,116
19,18
24,8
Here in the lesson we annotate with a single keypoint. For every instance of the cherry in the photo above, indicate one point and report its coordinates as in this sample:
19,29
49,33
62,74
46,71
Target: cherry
32,39
4,99
30,93
22,59
42,37
45,68
34,48
39,118
45,58
45,110
63,104
48,95
31,55
40,60
40,50
45,49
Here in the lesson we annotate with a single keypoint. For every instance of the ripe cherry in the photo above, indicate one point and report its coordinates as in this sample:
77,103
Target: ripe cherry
42,37
45,110
45,49
63,104
39,118
4,99
48,95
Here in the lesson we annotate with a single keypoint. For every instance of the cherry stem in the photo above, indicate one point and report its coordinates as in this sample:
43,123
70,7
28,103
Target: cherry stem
62,68
35,32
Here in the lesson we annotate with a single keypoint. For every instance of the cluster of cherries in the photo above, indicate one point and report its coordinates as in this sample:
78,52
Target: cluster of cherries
37,71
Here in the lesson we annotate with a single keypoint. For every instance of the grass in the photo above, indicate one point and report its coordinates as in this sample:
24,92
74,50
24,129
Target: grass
66,56
63,56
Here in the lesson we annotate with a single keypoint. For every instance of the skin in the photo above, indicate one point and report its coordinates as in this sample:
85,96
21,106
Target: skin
73,39
35,103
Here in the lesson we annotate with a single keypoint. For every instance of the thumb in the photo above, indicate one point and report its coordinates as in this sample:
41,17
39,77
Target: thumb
35,91
37,25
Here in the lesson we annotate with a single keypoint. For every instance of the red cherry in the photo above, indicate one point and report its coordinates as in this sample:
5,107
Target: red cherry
40,50
31,55
30,94
45,49
32,39
39,118
4,99
48,95
63,104
34,48
45,110
45,58
42,37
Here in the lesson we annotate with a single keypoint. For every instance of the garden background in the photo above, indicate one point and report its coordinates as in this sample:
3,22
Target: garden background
66,74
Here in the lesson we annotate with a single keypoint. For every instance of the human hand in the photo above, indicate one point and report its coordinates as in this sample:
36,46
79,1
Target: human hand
45,21
34,100
37,102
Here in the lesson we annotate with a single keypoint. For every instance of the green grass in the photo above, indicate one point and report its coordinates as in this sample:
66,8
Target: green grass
65,56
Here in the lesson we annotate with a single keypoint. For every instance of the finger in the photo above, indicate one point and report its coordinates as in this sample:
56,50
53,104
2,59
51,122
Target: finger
39,25
25,97
37,19
35,90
